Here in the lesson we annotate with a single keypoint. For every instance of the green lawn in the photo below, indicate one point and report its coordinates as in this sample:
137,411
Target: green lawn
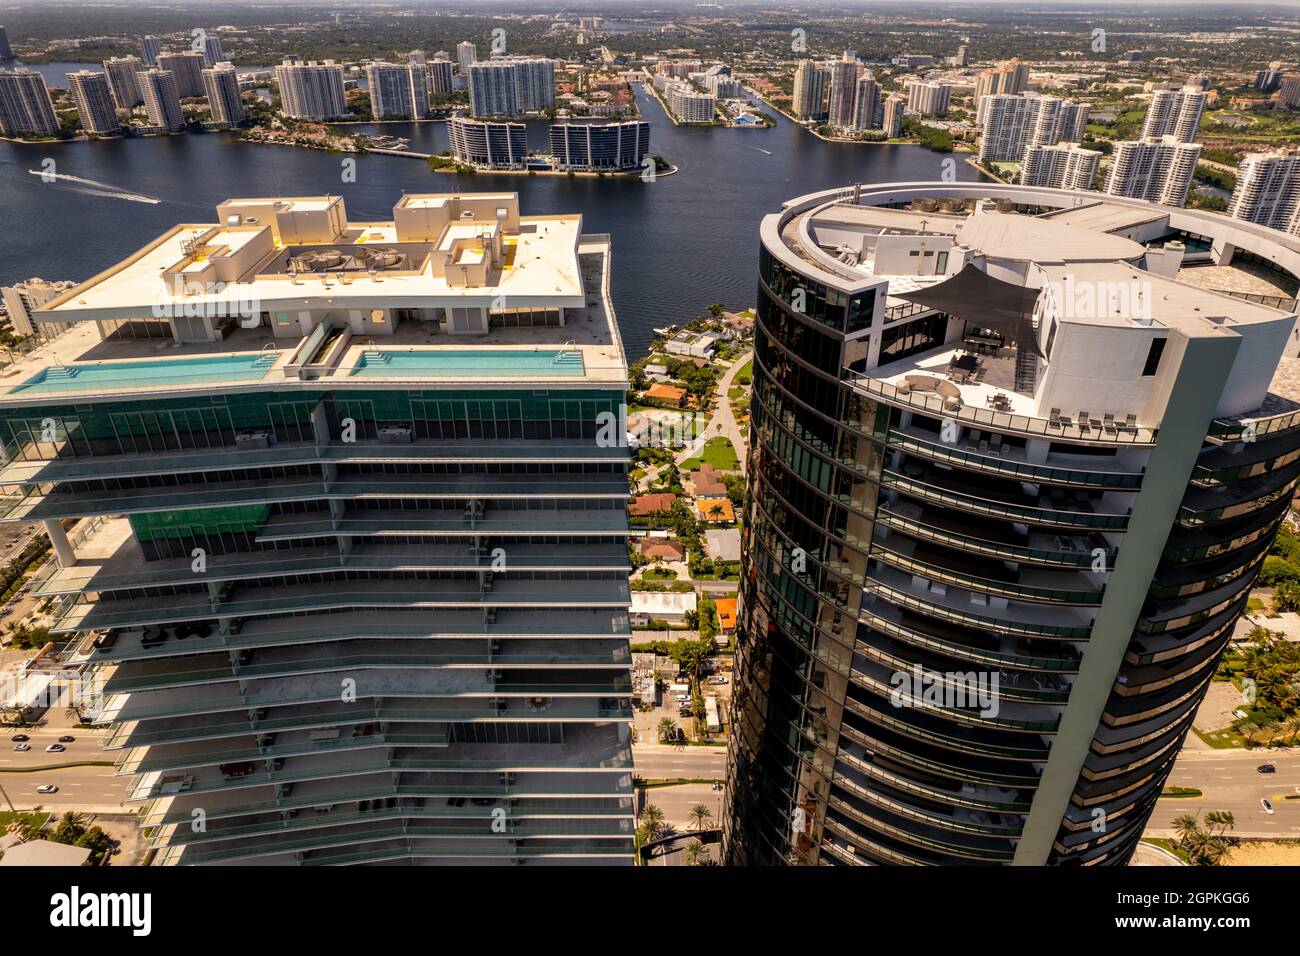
718,453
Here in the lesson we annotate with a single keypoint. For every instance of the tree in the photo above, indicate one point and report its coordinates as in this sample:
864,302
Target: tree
1185,825
667,729
700,815
694,853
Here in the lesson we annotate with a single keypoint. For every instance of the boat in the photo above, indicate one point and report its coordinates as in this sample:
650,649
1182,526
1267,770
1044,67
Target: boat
666,330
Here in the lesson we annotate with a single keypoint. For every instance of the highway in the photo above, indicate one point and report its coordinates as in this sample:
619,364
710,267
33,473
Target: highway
1229,781
662,762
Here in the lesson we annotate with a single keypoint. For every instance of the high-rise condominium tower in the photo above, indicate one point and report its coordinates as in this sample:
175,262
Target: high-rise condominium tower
509,87
353,586
212,52
466,53
6,51
150,47
928,97
1011,477
187,68
895,107
843,89
866,102
161,99
1268,190
440,77
94,99
25,105
1158,170
810,80
311,91
221,85
1062,165
123,82
1175,113
1013,122
398,89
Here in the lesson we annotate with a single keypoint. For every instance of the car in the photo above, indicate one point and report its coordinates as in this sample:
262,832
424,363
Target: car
1266,768
47,788
67,739
20,738
22,747
717,785
1268,807
685,712
716,679
55,749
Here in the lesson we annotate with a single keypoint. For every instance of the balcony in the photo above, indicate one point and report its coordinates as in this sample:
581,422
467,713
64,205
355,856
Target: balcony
914,724
968,644
997,539
1010,462
1012,504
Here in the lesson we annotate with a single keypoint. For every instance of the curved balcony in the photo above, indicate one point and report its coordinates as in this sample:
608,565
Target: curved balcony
948,496
943,567
968,644
1026,425
912,757
944,734
1017,716
993,539
940,843
970,457
898,592
1045,689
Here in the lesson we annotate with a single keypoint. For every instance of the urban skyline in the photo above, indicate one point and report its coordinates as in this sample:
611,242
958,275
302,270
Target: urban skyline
352,533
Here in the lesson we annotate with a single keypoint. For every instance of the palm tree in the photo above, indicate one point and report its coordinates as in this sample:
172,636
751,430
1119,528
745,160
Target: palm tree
1215,851
667,729
700,815
1223,820
693,852
1186,825
652,814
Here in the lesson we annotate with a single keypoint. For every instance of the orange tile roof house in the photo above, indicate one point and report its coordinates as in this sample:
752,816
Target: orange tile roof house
662,549
666,393
645,505
726,614
716,510
705,483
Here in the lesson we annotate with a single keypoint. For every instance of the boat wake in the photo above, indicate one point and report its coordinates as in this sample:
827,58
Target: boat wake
104,190
766,152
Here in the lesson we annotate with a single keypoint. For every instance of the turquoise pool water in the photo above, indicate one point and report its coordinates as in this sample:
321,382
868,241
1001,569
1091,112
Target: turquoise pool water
469,363
179,371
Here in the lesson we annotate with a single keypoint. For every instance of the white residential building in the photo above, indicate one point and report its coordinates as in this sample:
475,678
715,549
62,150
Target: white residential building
928,98
94,101
1175,113
1268,191
809,101
1060,165
1157,170
221,84
161,100
123,82
311,91
25,106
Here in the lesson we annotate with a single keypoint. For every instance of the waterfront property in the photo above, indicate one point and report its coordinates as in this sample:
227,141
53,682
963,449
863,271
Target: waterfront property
1030,444
354,587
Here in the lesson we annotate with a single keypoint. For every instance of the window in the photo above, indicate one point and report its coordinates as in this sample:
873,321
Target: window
1153,356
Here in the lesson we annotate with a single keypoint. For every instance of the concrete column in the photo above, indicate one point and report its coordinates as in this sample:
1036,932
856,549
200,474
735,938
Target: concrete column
62,546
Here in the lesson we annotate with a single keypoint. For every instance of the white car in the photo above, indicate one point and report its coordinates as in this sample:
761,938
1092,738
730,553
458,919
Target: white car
22,747
55,749
1268,807
47,788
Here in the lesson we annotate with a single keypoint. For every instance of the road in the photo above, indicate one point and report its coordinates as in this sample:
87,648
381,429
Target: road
722,422
676,802
1229,781
89,789
662,762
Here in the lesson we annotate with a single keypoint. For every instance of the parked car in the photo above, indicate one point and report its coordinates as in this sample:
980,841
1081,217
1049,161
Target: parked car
20,738
22,747
716,679
55,749
1268,807
1266,768
47,788
67,739
686,712
717,785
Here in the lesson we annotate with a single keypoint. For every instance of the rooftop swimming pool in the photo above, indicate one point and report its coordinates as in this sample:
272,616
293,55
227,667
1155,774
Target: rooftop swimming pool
177,371
465,364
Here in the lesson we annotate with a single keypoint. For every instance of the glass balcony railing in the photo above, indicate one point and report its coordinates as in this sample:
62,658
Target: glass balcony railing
986,506
998,625
1060,665
1012,468
999,421
1079,558
1010,590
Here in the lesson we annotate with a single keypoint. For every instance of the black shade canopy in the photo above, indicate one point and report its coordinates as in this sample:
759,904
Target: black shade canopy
984,302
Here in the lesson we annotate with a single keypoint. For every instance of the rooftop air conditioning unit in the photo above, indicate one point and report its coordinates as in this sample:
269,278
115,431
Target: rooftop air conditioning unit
395,435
